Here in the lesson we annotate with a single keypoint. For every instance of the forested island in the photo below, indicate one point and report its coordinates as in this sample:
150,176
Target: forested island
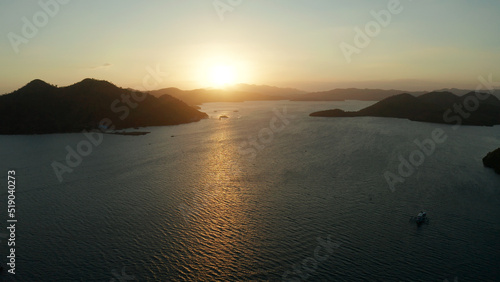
41,108
473,108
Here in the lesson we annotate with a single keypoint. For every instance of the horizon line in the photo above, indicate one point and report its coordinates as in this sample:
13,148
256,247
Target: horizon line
251,84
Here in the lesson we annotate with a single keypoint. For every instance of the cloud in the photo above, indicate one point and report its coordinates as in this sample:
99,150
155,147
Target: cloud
103,66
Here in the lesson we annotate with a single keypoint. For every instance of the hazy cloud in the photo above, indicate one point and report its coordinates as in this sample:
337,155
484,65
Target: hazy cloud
103,66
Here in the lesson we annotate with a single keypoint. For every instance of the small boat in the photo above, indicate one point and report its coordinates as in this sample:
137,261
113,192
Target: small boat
420,218
223,116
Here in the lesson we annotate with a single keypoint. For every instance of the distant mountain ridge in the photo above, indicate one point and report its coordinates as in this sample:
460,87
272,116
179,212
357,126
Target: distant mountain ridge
234,93
249,92
342,94
267,90
461,92
435,107
39,108
200,96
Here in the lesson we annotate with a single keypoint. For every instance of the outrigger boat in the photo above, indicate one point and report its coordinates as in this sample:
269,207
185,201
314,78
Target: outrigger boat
420,218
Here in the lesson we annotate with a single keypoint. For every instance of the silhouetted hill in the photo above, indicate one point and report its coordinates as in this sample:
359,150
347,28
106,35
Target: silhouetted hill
172,91
35,86
492,160
39,108
340,94
440,98
400,106
436,107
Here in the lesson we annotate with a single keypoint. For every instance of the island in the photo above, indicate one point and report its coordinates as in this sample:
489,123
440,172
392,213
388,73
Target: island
41,108
492,160
474,108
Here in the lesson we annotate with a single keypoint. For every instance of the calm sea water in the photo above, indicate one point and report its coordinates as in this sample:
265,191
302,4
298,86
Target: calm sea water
255,197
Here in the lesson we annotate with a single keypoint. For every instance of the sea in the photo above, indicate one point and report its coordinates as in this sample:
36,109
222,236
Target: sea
259,191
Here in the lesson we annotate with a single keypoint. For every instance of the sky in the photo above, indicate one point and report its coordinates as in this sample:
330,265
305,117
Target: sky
311,45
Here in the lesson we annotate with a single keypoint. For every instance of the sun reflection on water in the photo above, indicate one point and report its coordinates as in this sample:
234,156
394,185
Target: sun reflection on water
220,232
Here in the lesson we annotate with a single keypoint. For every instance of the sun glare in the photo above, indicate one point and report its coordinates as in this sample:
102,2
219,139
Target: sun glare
222,75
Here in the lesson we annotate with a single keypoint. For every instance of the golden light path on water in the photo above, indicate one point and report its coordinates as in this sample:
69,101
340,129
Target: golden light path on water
220,230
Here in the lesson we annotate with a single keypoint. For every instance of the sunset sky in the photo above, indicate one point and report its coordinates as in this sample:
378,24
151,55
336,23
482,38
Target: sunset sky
287,43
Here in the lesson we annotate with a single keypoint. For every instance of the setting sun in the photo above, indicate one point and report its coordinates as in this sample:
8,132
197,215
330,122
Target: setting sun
222,75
